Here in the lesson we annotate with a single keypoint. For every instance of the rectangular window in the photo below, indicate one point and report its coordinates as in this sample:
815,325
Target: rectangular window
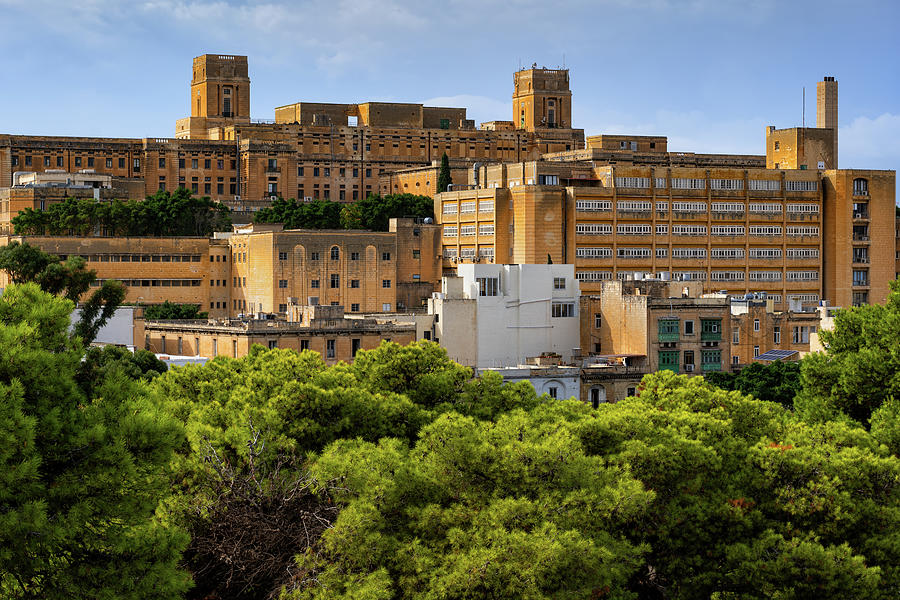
488,286
314,283
559,283
385,256
562,309
354,256
304,345
776,335
329,348
385,283
282,283
688,328
354,307
335,280
755,324
354,283
668,360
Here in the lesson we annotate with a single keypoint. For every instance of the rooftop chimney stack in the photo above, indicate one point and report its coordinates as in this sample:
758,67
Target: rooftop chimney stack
827,109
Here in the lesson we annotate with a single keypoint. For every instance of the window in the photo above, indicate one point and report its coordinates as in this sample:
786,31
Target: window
354,307
314,283
385,283
488,286
860,298
335,253
860,277
329,348
386,307
667,330
313,256
354,256
776,335
272,344
416,254
755,324
385,256
562,309
282,283
282,308
735,336
304,345
755,351
559,283
668,360
355,345
354,283
688,328
77,161
282,256
688,357
860,187
335,281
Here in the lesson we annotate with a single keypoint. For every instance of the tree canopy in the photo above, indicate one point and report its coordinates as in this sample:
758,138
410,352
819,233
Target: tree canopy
171,310
774,382
70,279
163,214
861,369
372,213
81,476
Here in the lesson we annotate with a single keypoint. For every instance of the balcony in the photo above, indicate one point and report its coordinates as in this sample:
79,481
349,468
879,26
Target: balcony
710,336
707,367
227,114
271,169
668,337
858,237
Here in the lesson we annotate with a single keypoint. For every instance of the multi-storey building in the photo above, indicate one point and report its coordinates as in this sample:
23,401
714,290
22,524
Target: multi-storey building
804,234
310,150
323,329
262,269
757,328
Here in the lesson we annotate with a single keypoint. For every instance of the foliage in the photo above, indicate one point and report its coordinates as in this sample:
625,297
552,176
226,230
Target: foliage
244,540
860,370
444,178
164,214
685,491
774,382
170,310
80,476
315,214
99,362
372,213
71,279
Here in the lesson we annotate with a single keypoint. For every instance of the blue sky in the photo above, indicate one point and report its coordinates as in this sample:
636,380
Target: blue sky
710,74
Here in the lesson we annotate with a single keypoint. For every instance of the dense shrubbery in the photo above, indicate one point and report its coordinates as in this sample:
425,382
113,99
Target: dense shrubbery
163,214
372,213
170,310
401,476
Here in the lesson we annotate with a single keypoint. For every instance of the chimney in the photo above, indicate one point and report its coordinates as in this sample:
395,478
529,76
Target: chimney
827,110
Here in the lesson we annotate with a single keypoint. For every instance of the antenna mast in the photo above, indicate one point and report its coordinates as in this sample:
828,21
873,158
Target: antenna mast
803,108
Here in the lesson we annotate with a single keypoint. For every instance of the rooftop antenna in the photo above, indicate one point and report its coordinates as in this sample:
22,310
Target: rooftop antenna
564,60
803,108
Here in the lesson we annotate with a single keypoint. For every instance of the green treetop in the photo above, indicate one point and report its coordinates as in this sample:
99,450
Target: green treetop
444,178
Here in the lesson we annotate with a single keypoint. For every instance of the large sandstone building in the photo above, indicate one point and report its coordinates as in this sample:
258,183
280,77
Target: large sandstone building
789,224
310,150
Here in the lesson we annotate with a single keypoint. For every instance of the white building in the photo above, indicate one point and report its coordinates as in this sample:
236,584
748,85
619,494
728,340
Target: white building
490,316
560,382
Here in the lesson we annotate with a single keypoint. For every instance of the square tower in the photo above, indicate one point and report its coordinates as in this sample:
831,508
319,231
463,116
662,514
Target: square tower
220,87
542,99
827,109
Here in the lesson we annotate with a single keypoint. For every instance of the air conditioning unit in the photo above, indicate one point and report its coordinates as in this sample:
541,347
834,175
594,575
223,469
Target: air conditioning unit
273,198
688,368
237,198
307,198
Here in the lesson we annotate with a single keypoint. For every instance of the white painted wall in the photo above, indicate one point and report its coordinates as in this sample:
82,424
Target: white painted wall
514,324
119,329
566,385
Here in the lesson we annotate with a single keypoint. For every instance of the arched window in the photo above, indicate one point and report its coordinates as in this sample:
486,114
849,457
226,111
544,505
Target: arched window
860,187
335,253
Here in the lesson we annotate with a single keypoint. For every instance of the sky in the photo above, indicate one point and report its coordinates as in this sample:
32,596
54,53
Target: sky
709,74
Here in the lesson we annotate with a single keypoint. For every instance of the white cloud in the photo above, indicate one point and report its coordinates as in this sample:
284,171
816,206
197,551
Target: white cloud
870,143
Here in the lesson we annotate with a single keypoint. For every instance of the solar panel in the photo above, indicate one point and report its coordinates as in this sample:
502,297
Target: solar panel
776,354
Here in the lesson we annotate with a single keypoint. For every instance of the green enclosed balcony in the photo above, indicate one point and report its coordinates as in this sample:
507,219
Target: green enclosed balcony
668,331
710,330
668,360
711,360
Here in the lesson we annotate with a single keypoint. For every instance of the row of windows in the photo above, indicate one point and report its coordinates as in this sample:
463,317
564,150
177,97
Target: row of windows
334,282
139,257
334,254
79,161
684,252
